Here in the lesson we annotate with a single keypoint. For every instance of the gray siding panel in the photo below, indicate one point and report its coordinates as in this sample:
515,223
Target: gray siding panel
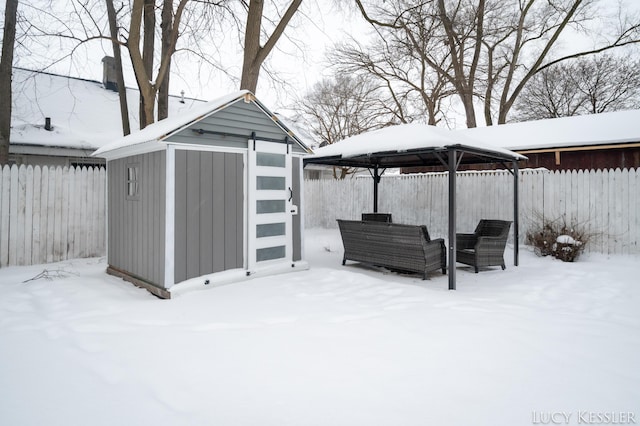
240,118
161,196
209,212
296,225
230,212
180,230
240,212
193,213
136,226
206,204
218,211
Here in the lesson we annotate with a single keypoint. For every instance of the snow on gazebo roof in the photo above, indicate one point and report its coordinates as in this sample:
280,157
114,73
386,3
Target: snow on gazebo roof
405,145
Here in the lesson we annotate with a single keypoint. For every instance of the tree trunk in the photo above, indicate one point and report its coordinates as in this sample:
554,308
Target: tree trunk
147,99
254,54
148,45
166,25
463,87
249,79
6,71
122,90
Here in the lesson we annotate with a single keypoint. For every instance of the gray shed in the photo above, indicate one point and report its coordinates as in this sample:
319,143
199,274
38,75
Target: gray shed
216,189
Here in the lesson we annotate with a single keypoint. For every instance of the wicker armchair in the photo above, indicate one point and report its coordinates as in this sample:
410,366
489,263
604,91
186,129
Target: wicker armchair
485,247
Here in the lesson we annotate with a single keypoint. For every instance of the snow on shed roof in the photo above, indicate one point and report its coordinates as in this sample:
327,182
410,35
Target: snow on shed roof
163,128
583,130
160,130
402,138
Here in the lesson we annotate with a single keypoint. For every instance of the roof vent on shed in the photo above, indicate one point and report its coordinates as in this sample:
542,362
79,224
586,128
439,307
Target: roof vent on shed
109,78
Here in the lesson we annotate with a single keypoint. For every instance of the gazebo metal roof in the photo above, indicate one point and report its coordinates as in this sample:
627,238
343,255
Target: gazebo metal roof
414,145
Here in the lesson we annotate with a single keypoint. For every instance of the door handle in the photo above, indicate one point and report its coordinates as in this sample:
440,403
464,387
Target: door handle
290,194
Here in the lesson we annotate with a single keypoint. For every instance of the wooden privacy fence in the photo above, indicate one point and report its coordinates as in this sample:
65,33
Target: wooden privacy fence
606,202
51,214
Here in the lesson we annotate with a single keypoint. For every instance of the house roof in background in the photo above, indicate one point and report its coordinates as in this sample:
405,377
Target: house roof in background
84,115
606,128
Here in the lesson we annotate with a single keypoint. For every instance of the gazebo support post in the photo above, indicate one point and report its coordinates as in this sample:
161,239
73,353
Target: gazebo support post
453,163
376,181
516,234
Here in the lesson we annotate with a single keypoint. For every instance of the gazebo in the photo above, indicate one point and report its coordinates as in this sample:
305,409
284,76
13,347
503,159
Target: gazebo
415,145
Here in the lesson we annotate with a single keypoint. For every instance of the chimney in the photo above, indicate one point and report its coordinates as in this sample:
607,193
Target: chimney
47,124
109,79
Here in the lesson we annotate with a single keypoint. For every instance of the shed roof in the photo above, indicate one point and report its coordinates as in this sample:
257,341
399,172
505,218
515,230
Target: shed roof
161,130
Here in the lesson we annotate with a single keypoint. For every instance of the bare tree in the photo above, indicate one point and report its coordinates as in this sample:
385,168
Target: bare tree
532,43
255,53
495,47
550,94
6,65
343,106
89,23
147,85
456,28
583,86
122,90
609,83
407,55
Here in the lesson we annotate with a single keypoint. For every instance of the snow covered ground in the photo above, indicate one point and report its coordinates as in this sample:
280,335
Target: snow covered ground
334,345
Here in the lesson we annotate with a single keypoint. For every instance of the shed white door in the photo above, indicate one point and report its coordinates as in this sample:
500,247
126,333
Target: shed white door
270,208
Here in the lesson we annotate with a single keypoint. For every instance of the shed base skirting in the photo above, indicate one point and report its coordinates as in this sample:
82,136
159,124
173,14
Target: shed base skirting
211,280
138,282
237,275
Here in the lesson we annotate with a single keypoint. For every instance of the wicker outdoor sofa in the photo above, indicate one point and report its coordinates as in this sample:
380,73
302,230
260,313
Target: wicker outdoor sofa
405,248
485,247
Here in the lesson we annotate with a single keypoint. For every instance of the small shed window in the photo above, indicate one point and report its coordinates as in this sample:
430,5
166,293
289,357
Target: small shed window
133,183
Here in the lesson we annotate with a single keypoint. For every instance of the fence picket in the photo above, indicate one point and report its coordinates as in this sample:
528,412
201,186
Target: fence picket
44,214
13,216
36,249
64,214
28,217
5,199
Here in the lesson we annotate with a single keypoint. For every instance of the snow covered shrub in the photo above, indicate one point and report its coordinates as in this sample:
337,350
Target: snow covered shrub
559,239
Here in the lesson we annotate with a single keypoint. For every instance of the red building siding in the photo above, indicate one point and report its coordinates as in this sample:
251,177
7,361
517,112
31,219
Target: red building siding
576,158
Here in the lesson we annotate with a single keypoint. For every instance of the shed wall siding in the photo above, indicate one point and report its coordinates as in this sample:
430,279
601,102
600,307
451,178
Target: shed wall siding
239,118
136,226
297,219
209,213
